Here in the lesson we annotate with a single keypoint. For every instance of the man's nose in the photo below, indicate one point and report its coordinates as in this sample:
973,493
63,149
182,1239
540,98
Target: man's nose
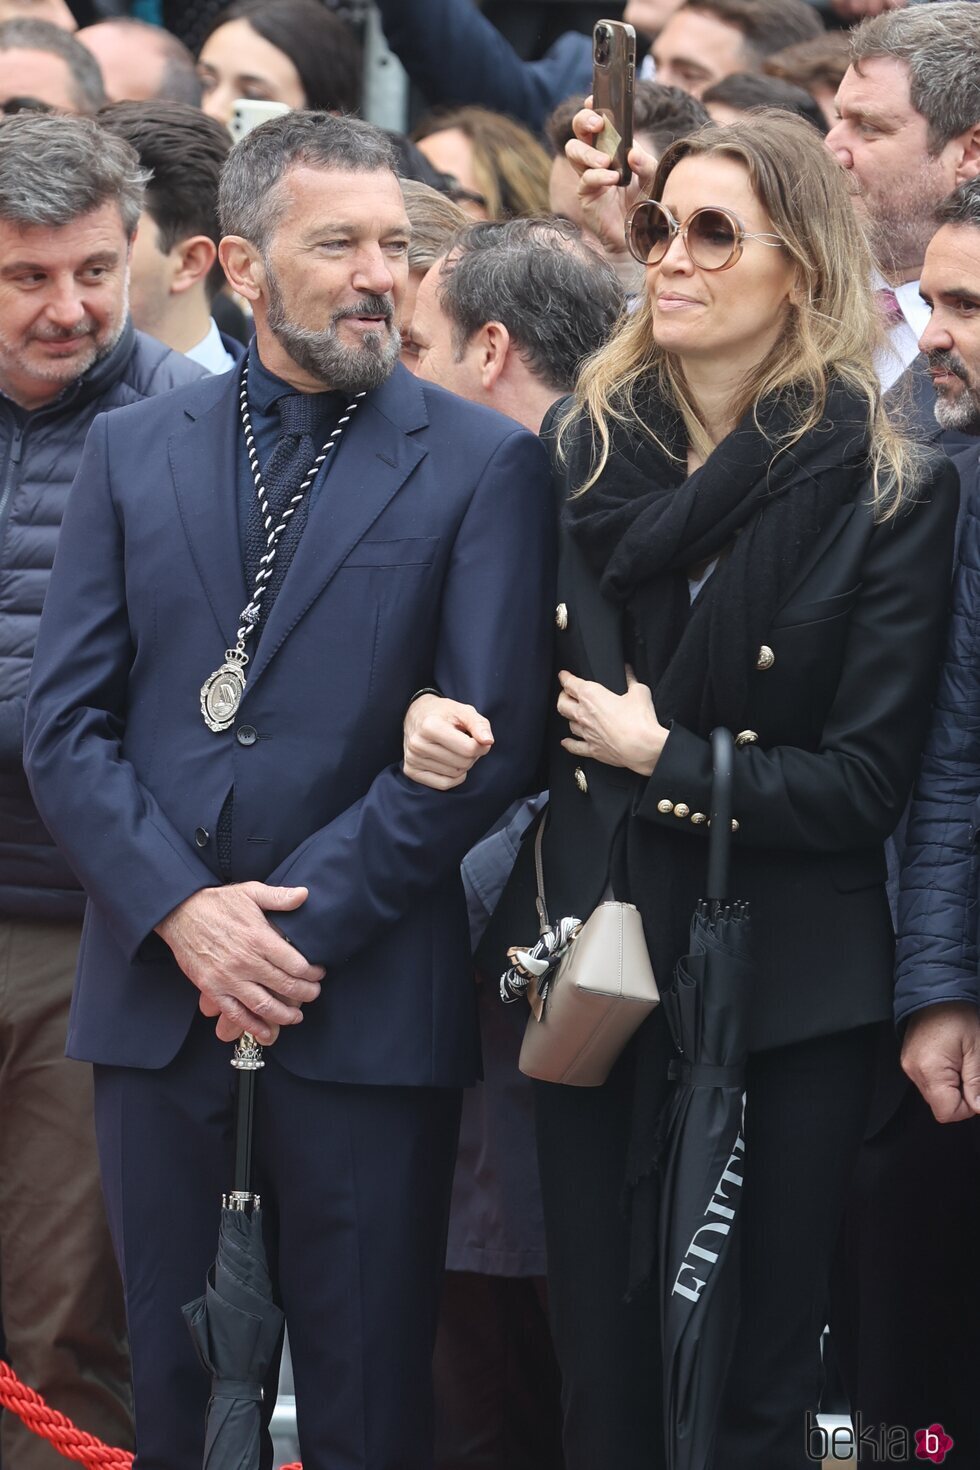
373,272
936,337
835,141
65,307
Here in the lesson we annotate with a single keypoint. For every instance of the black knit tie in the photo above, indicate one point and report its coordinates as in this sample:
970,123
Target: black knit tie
288,466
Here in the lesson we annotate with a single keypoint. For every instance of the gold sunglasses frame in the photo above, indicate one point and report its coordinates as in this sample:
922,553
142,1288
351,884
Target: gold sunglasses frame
740,235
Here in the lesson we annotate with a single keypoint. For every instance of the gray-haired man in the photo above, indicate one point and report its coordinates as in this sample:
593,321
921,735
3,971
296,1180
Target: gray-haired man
70,197
908,132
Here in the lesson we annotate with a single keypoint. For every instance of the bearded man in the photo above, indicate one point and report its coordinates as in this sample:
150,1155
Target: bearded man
257,575
908,134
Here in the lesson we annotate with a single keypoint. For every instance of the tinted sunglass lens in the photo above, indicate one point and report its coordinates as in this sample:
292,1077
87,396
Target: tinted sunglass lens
711,239
649,234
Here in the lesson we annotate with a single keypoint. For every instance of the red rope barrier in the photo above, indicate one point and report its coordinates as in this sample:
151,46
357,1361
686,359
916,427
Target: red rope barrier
56,1427
59,1431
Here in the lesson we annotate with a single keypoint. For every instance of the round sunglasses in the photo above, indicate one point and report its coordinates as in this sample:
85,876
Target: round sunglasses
713,237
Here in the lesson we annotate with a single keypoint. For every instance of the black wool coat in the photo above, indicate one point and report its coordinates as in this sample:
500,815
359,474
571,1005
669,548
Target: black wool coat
837,713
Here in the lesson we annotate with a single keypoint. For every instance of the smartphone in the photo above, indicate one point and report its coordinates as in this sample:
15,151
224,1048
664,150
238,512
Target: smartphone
613,75
248,113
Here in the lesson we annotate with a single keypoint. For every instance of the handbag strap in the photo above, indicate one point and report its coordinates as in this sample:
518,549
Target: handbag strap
539,902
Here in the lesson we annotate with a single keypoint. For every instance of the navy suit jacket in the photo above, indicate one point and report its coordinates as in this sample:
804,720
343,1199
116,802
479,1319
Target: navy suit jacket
427,559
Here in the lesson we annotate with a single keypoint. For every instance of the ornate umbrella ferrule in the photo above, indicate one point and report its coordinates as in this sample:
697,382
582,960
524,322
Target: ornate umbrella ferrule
247,1056
241,1200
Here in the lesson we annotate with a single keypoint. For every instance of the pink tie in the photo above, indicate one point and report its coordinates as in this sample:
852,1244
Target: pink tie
888,305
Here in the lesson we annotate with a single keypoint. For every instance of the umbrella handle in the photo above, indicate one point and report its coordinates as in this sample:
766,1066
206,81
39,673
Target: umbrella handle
720,835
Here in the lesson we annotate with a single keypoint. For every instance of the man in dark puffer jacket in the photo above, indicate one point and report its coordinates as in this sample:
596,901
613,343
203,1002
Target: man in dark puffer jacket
70,197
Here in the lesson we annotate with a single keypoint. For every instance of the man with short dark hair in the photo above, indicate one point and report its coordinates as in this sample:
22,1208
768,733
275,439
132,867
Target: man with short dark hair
255,577
70,198
175,273
508,317
908,132
141,62
46,63
920,1344
504,320
706,40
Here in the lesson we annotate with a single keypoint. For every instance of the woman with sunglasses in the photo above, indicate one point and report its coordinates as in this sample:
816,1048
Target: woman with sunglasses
745,541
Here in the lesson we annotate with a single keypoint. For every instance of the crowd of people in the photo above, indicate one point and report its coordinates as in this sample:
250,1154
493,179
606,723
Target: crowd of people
498,486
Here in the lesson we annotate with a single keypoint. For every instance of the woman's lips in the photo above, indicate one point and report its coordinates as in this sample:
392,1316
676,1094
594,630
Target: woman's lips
669,302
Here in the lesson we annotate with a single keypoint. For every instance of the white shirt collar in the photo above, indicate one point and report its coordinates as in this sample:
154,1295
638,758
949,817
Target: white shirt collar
903,338
211,352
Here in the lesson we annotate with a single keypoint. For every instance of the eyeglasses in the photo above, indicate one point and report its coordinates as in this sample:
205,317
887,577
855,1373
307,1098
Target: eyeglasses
713,238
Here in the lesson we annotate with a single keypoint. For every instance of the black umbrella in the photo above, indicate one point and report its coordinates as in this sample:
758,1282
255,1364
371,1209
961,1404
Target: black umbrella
706,1010
236,1326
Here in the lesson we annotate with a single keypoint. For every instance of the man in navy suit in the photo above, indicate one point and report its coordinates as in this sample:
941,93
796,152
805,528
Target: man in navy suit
214,733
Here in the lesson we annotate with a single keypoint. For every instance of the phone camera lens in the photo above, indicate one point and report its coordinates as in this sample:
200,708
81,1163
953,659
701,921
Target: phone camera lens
602,42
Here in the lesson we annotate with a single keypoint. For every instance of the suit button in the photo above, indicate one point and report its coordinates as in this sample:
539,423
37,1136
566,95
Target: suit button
665,807
698,818
734,825
766,658
747,737
561,617
246,735
581,781
682,809
202,837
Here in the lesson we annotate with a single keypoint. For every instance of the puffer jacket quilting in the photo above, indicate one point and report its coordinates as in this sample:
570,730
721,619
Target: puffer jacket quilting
938,904
39,454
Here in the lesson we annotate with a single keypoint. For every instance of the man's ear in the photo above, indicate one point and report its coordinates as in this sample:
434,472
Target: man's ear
243,266
492,345
968,159
195,257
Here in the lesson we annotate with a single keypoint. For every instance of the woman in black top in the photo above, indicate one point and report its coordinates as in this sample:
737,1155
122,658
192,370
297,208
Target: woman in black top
746,541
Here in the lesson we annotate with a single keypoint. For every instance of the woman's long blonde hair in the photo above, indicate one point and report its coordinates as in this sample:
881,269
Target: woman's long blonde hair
835,328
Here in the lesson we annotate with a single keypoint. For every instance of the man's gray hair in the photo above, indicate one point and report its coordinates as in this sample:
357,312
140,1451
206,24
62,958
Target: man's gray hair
558,299
940,46
251,203
54,169
962,207
87,87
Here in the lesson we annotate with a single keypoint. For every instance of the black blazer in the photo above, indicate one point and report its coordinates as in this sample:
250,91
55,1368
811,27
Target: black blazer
838,709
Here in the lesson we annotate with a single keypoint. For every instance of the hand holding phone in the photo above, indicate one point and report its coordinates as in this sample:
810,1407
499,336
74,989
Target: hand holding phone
613,77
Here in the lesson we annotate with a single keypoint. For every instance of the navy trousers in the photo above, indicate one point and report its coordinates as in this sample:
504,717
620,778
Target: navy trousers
355,1184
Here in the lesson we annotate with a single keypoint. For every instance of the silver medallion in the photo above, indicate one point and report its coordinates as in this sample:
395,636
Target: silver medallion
221,694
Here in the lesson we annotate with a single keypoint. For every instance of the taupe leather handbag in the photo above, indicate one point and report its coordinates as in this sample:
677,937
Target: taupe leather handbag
589,985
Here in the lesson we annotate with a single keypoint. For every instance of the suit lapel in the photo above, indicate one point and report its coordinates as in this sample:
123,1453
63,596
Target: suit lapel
204,464
373,461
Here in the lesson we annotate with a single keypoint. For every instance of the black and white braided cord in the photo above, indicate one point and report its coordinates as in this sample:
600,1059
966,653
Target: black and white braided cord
252,610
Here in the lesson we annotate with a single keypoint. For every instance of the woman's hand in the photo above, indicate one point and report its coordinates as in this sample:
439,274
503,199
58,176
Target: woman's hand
604,204
616,729
443,741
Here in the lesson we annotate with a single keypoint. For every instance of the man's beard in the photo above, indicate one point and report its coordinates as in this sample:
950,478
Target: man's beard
102,339
959,411
324,356
901,224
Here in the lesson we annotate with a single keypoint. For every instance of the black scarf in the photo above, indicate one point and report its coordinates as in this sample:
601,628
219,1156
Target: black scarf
642,527
646,523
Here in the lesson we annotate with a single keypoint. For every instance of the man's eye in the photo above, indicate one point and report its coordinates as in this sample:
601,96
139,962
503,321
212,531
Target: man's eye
968,308
95,273
397,247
